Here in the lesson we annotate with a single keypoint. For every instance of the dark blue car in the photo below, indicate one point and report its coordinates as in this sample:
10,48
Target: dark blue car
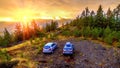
68,48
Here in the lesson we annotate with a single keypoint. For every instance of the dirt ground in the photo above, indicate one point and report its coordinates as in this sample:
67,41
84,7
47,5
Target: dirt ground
87,55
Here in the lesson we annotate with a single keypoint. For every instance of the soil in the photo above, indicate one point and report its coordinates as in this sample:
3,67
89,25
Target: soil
87,54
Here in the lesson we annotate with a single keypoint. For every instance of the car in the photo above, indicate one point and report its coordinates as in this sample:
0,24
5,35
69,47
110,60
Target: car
49,47
68,49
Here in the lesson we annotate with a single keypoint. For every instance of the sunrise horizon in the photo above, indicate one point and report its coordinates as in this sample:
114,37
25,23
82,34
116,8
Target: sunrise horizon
17,10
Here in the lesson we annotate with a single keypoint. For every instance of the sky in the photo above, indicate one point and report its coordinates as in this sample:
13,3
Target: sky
50,8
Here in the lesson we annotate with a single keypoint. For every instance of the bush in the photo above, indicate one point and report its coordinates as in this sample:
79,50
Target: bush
4,56
109,39
117,35
95,33
118,46
52,36
40,47
106,32
86,31
40,34
76,33
3,42
66,33
101,32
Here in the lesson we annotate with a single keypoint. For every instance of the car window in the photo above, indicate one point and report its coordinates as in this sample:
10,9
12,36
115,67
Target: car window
46,47
68,45
53,44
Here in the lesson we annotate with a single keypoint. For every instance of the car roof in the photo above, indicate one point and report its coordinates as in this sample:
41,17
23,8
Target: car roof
68,43
49,44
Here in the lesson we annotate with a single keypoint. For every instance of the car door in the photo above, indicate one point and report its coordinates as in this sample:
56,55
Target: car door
73,47
53,46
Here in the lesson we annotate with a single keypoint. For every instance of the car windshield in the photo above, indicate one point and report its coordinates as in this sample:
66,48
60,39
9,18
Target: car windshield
46,47
68,45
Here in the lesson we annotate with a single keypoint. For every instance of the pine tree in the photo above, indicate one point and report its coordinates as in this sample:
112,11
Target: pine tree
100,18
110,19
118,12
83,14
92,18
7,37
87,12
53,25
117,17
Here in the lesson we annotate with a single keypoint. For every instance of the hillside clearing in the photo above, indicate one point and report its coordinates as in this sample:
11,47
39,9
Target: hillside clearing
87,54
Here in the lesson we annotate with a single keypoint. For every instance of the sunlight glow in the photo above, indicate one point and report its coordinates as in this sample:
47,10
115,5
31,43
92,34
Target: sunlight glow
26,15
46,17
6,19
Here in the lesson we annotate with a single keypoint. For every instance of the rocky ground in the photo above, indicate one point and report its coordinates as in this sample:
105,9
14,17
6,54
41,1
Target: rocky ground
87,54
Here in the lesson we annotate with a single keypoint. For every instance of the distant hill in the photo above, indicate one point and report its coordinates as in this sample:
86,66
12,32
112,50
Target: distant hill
41,22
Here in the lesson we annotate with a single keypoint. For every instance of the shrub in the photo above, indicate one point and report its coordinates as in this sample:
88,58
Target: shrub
3,42
106,32
40,47
108,39
76,33
117,35
4,56
40,33
66,33
86,31
114,36
118,44
52,36
101,32
95,33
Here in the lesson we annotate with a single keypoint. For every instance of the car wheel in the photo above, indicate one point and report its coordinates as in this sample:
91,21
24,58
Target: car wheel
52,52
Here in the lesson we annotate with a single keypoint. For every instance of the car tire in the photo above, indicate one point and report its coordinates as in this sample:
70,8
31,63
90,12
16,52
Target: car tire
52,52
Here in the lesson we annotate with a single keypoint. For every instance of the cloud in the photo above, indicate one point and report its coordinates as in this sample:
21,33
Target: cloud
53,7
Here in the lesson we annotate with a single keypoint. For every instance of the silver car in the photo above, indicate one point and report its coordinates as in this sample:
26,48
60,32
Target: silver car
49,47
